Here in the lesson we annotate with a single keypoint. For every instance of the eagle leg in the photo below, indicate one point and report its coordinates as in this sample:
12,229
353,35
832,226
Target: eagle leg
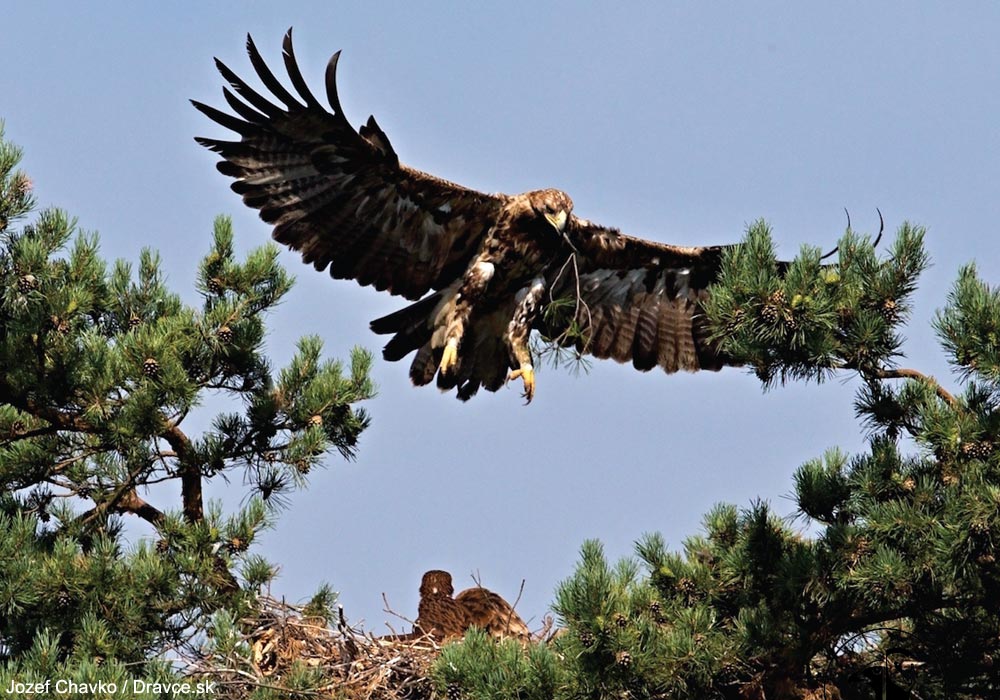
519,330
474,283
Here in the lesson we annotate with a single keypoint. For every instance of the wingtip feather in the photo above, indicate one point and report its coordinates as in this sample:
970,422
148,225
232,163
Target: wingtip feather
331,84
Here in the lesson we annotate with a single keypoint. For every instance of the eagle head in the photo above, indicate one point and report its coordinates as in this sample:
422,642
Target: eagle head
436,582
554,205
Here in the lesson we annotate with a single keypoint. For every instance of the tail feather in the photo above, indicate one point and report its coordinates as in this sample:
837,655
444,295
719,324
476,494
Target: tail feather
424,365
411,326
407,316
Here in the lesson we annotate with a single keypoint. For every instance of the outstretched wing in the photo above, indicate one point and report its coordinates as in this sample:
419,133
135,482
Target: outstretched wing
340,196
634,300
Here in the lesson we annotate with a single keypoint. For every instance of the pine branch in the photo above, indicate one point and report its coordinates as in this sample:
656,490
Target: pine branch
61,420
130,502
190,473
124,499
903,373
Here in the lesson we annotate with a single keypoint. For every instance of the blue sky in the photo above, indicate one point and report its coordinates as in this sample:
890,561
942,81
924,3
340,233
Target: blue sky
675,121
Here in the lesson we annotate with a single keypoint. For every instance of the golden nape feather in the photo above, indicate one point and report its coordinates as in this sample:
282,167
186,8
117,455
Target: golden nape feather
484,270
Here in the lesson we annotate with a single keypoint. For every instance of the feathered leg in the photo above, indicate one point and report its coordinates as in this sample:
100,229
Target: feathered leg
474,283
519,331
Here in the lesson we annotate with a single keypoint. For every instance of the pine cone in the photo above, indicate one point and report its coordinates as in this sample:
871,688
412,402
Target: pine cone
770,314
777,297
134,322
17,427
27,283
735,320
225,334
656,610
162,546
454,691
316,420
687,587
889,310
84,492
980,449
21,184
623,659
215,286
63,599
151,368
729,672
621,621
236,545
586,639
861,548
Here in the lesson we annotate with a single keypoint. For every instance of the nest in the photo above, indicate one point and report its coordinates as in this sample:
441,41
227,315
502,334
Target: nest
283,642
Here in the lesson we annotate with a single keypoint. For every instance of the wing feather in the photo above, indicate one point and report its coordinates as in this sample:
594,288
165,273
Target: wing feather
269,79
640,301
644,347
339,196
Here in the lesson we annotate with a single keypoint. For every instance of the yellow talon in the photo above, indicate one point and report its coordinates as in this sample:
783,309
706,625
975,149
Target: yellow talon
527,375
449,358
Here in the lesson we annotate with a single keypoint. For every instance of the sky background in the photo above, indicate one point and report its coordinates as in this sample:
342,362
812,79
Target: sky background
680,122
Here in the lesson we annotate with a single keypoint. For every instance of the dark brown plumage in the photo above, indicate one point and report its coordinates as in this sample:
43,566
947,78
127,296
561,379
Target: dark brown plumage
444,617
491,613
438,614
482,268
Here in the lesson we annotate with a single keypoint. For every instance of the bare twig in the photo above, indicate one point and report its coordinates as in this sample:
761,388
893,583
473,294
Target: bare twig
878,238
563,338
510,615
881,228
836,248
388,609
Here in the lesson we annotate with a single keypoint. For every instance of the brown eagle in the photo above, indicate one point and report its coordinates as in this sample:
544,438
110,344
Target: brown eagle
484,270
444,617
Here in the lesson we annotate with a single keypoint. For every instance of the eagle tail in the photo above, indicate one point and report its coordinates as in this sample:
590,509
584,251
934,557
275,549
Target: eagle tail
411,326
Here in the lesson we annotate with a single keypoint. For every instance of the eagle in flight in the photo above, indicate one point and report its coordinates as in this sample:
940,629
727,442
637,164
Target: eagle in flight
483,270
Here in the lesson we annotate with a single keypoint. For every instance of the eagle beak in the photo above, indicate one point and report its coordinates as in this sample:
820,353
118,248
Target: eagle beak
558,220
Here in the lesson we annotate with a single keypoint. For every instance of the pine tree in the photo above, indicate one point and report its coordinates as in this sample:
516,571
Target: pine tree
895,591
103,369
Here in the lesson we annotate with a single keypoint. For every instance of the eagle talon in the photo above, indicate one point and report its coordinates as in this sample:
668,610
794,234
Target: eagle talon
527,375
449,358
